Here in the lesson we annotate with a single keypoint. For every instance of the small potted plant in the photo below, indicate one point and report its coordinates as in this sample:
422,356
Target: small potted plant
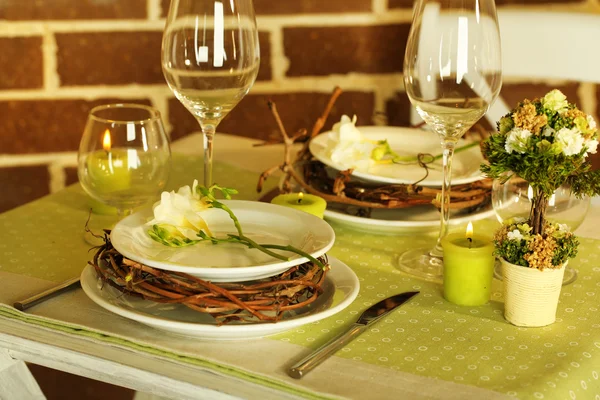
546,142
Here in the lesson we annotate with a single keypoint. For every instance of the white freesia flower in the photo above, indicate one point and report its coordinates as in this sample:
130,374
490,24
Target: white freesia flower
515,235
591,145
548,131
181,209
517,140
570,140
348,148
591,122
555,100
563,227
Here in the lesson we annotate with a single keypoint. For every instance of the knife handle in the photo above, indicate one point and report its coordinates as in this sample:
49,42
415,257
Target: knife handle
315,358
53,291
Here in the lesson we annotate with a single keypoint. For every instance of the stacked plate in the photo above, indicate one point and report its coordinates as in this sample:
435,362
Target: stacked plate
405,142
262,222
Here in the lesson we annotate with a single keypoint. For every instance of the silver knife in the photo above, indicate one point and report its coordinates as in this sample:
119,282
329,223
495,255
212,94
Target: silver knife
367,318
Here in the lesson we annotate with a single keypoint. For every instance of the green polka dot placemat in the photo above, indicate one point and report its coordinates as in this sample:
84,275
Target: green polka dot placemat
431,337
428,336
45,238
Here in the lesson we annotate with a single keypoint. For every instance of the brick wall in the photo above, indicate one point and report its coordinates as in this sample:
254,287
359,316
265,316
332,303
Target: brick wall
59,58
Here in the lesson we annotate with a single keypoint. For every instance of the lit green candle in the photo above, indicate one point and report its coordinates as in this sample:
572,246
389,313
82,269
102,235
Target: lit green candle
309,203
468,268
108,169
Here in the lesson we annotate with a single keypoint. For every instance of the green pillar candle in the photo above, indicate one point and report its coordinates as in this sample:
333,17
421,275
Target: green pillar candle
108,171
468,268
309,203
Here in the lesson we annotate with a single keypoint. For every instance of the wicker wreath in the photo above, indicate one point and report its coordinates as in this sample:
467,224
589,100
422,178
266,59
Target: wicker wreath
258,301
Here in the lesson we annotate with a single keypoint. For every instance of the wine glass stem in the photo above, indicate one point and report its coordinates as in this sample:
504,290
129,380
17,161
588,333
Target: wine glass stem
447,154
209,133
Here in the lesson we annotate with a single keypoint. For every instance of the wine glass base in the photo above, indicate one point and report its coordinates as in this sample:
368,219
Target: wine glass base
569,277
421,264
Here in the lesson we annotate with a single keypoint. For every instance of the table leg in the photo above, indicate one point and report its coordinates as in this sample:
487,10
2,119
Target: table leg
16,381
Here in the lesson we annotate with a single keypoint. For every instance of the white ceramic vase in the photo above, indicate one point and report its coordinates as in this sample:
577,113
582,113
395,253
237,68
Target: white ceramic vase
531,295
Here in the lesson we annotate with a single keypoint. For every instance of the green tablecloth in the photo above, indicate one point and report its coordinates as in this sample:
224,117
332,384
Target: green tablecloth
428,336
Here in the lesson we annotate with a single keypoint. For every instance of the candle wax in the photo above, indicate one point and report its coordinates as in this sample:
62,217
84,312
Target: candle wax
311,204
108,171
468,269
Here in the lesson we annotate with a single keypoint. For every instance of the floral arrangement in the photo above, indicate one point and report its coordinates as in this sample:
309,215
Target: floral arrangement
546,142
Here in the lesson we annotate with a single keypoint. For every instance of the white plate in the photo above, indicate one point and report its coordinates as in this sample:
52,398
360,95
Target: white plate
340,289
410,220
265,223
406,142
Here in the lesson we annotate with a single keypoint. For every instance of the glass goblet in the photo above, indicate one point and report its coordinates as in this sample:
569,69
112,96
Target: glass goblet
124,156
210,60
452,74
513,199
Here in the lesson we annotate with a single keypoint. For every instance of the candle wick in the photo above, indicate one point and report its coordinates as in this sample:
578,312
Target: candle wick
300,200
470,242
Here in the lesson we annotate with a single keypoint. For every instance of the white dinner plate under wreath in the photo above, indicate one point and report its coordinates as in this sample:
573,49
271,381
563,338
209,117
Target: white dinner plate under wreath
406,142
410,220
265,223
340,289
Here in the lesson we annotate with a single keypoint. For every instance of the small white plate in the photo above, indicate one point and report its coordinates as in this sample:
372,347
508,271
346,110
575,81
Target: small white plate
418,219
406,142
340,289
265,223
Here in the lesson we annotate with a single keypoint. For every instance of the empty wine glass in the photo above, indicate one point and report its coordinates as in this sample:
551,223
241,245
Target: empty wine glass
124,156
210,59
452,74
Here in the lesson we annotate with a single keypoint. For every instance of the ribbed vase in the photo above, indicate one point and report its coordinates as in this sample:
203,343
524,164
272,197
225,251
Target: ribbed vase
531,295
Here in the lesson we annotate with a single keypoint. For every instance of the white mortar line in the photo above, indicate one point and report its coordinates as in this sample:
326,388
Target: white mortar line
587,94
154,10
49,48
58,177
19,160
379,6
279,62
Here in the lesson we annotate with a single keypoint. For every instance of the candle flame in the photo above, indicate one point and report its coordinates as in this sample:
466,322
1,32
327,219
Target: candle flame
469,232
300,197
106,143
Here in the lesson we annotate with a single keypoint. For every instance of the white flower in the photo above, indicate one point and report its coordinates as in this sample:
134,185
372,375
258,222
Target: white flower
570,140
514,235
591,122
517,140
348,148
346,130
591,145
181,210
563,227
555,100
548,131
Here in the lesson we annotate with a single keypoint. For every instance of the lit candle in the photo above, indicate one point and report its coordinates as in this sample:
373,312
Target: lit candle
309,203
468,268
108,169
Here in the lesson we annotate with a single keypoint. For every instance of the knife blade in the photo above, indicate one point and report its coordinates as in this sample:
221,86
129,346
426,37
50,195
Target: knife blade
370,316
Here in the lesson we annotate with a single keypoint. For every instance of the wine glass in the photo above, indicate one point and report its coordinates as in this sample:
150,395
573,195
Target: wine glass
124,156
452,74
210,59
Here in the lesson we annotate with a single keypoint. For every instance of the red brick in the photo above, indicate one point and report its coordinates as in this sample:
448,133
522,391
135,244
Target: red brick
514,93
276,7
21,63
21,185
252,118
71,175
109,58
45,126
534,2
397,110
400,4
341,50
266,7
19,10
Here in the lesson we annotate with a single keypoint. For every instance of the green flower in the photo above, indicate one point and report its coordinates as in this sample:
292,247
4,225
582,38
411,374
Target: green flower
556,101
505,125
